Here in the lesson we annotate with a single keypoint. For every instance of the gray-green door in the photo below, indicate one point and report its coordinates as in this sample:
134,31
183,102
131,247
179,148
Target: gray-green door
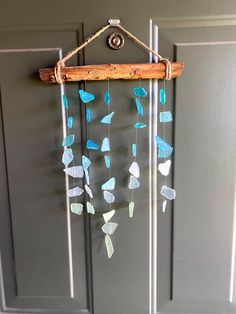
181,261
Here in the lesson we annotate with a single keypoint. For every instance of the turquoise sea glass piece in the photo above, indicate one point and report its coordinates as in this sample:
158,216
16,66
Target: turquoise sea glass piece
65,102
105,145
91,145
67,156
139,106
88,115
107,98
164,149
85,96
85,162
70,122
90,208
140,125
107,161
108,197
162,96
169,193
109,185
109,246
134,150
139,92
87,177
165,116
76,208
68,140
133,183
107,119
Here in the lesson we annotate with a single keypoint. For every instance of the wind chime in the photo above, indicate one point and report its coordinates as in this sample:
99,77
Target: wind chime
61,74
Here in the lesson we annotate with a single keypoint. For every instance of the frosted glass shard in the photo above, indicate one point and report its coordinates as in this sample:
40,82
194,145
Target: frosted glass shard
77,191
70,122
165,116
139,92
75,172
131,209
109,185
107,98
134,169
91,145
65,102
164,167
88,190
85,96
67,156
90,208
108,197
88,115
164,149
107,216
162,96
105,145
168,192
164,206
68,140
109,227
134,150
87,177
85,162
133,183
140,125
109,246
107,119
76,208
107,161
139,106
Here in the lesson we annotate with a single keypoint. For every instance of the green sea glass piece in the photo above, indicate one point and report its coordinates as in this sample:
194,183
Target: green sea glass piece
139,92
85,96
68,140
109,246
109,227
67,156
76,208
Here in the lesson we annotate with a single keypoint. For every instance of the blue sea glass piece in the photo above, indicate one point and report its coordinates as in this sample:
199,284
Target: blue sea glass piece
108,197
164,149
67,156
109,185
162,96
88,115
133,183
105,145
139,106
91,145
134,150
68,140
85,162
65,102
70,122
107,119
168,192
165,116
139,92
107,98
85,96
107,161
140,125
87,177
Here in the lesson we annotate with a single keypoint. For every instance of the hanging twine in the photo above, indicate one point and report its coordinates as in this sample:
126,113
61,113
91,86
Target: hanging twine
61,63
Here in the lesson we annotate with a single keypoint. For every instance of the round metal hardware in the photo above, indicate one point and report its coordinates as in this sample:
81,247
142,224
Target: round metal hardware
115,41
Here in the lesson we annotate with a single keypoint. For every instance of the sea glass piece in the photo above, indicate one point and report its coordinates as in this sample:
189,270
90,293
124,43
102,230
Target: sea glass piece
77,191
164,206
68,140
107,119
168,192
105,145
85,96
109,227
134,169
131,209
109,185
65,102
107,216
108,197
107,98
70,122
67,156
76,208
165,116
87,177
90,208
140,125
91,145
139,106
134,150
164,149
162,96
107,161
75,172
88,190
88,115
164,167
133,183
85,162
140,92
109,246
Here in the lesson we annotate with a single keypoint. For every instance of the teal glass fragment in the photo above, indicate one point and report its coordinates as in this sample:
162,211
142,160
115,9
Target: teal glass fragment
164,149
68,140
139,106
76,208
139,92
91,145
165,116
109,185
87,177
108,197
85,162
107,98
85,96
70,122
105,145
107,119
133,183
107,161
67,156
134,150
65,102
162,96
140,125
88,115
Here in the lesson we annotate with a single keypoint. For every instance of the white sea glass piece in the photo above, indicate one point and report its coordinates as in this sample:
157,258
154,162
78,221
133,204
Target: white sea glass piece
131,209
75,172
87,177
105,145
108,197
109,246
164,167
76,208
168,192
133,183
109,185
109,227
90,208
164,206
77,191
88,190
134,169
107,216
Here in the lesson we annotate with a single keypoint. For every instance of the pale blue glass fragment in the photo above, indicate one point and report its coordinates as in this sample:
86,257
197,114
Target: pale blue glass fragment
133,183
76,208
88,115
165,116
108,197
162,96
65,102
107,98
68,140
107,119
85,162
67,156
107,161
105,145
164,149
85,96
139,106
134,150
109,185
87,177
90,208
70,122
140,125
91,145
169,193
139,92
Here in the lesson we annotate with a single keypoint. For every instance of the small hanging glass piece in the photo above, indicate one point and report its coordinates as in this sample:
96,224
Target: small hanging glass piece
85,162
90,208
70,122
162,96
109,246
107,98
77,191
105,145
75,172
168,192
87,177
85,96
131,209
67,156
109,227
107,161
108,197
107,119
65,102
134,169
139,106
164,206
133,183
165,116
88,190
164,149
76,208
134,150
68,140
88,115
164,167
139,92
140,125
107,216
109,185
91,145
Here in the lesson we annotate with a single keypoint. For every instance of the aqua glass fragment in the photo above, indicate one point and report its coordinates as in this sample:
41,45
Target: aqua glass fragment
139,92
134,150
91,145
88,190
85,96
133,183
75,172
131,209
107,119
76,208
162,96
164,167
88,115
105,145
67,156
90,208
68,140
165,116
107,161
164,206
109,227
107,98
65,102
134,169
109,185
139,106
108,197
109,246
164,149
70,122
107,216
140,125
85,162
87,177
77,191
168,192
